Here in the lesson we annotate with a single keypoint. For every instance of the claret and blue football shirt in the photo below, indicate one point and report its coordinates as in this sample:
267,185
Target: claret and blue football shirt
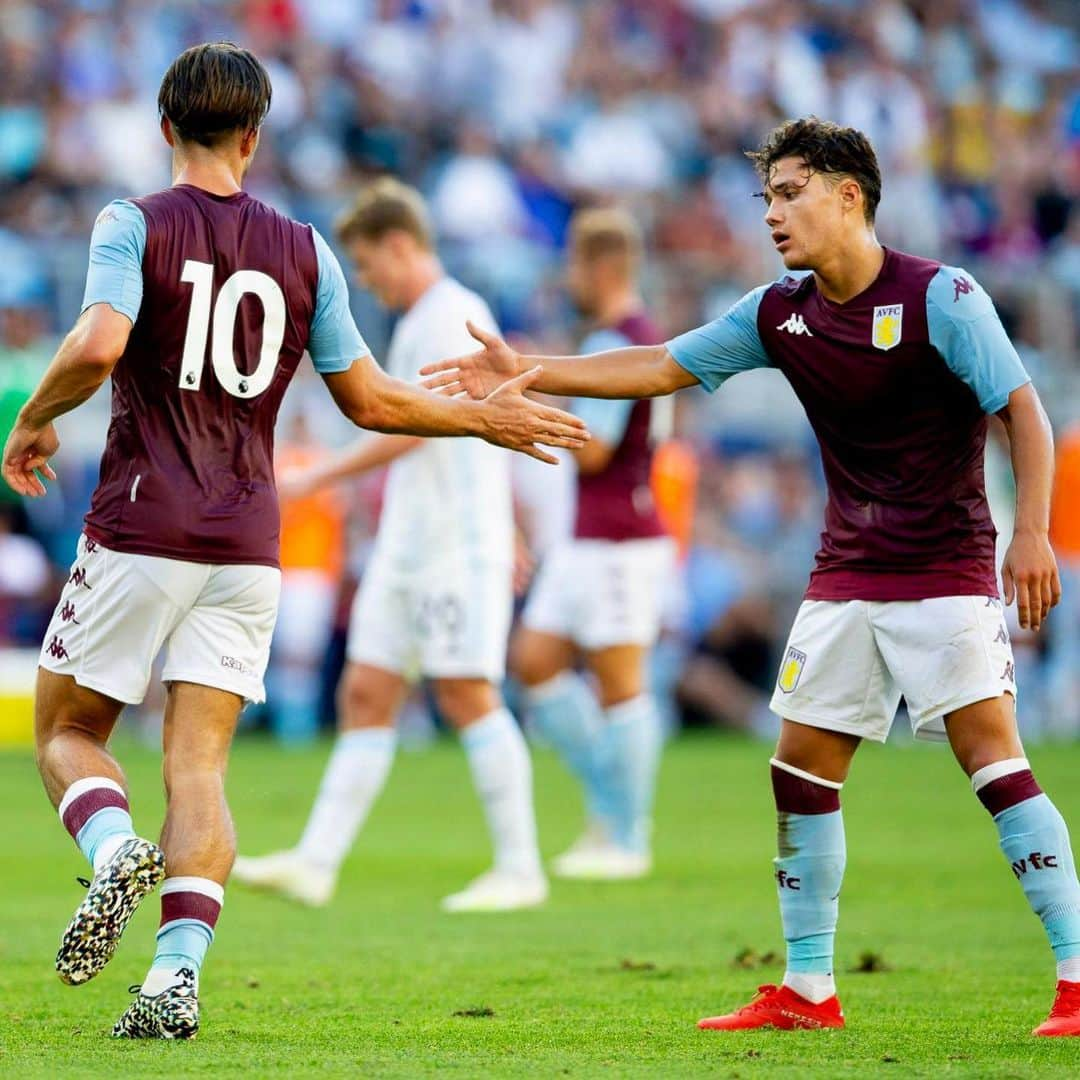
897,384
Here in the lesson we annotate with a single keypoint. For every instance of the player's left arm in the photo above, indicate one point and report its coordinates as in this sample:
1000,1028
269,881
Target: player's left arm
90,351
966,330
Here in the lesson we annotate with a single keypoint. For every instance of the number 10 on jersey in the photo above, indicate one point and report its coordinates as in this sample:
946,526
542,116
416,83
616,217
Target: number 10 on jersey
223,316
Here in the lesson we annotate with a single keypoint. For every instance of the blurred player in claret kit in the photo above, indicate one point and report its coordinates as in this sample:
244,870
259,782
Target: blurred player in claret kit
436,598
200,302
597,596
897,360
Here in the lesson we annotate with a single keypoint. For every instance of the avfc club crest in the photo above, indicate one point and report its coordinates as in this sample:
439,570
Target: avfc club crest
791,669
888,326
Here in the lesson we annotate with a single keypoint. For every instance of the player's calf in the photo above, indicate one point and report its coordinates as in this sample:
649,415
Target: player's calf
1035,841
809,871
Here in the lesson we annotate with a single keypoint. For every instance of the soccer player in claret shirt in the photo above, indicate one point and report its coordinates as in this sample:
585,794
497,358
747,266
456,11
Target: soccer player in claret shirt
200,302
598,595
898,361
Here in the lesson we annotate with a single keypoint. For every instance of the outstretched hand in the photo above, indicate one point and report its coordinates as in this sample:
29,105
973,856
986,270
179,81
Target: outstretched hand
1030,574
27,450
519,423
476,374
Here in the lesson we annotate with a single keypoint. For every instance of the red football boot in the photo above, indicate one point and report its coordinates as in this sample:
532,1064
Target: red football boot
1064,1018
780,1007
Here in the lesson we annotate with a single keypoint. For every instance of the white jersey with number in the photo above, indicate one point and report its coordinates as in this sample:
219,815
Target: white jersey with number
448,496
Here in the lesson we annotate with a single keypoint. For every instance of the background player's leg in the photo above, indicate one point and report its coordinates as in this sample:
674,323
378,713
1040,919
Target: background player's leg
198,836
369,699
629,742
1032,834
501,768
564,711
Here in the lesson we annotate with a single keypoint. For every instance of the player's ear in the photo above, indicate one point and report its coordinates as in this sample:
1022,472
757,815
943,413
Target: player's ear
851,196
167,130
249,142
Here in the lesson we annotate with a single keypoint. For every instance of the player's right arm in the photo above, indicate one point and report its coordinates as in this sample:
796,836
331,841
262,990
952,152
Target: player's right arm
374,400
89,353
708,355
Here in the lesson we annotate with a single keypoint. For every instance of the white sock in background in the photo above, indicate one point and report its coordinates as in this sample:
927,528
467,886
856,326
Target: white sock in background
502,773
354,776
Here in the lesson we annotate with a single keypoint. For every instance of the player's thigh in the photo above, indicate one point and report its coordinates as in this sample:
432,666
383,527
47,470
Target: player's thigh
623,602
537,656
115,611
462,616
223,641
381,632
832,675
817,751
619,671
945,653
200,722
553,606
463,701
369,696
984,732
61,704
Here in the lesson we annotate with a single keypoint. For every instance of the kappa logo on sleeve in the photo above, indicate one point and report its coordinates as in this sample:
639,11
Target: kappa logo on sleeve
888,326
962,287
791,670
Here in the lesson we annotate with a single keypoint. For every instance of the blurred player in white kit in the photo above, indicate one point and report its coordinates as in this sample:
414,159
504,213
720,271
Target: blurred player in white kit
436,599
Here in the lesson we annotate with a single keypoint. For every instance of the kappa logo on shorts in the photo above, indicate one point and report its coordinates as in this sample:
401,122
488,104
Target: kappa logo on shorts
791,669
67,613
1002,636
78,577
1009,672
235,665
56,648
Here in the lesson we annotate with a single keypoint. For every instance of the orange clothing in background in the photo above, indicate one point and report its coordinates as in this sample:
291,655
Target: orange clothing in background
1065,500
312,528
674,486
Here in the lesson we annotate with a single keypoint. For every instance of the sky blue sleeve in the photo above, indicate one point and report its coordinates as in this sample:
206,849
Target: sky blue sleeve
724,347
606,418
966,330
114,276
333,340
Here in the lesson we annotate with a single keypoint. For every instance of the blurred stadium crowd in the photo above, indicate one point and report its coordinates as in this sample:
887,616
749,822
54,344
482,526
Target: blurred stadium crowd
509,114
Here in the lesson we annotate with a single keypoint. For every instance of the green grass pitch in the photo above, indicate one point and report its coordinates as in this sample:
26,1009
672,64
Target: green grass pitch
604,981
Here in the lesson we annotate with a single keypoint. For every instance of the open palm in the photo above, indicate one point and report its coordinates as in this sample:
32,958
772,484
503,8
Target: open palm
478,374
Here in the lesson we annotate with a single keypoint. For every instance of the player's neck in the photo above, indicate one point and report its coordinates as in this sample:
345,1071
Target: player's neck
851,269
427,271
611,310
208,171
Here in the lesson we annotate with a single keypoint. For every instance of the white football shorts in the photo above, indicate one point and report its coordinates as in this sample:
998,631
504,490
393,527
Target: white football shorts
599,593
449,620
118,609
848,662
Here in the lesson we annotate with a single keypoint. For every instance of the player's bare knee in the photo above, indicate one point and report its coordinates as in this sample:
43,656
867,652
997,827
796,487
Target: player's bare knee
361,703
461,701
532,662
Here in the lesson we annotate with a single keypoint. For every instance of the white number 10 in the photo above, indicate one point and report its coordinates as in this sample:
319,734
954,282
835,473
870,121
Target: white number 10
233,381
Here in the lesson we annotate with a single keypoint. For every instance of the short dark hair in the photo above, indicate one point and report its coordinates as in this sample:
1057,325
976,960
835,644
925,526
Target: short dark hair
383,206
212,90
827,148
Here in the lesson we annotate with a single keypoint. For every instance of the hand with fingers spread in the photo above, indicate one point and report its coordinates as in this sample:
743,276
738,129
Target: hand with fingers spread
518,423
477,374
29,449
1030,574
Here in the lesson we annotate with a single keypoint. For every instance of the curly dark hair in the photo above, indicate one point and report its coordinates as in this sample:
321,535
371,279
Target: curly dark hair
827,148
212,90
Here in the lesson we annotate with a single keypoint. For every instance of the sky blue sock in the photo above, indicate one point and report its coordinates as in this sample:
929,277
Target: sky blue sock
811,853
190,907
566,714
628,748
183,943
1035,840
95,811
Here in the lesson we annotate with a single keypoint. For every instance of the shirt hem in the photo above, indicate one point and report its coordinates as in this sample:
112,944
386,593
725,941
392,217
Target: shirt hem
846,585
200,555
